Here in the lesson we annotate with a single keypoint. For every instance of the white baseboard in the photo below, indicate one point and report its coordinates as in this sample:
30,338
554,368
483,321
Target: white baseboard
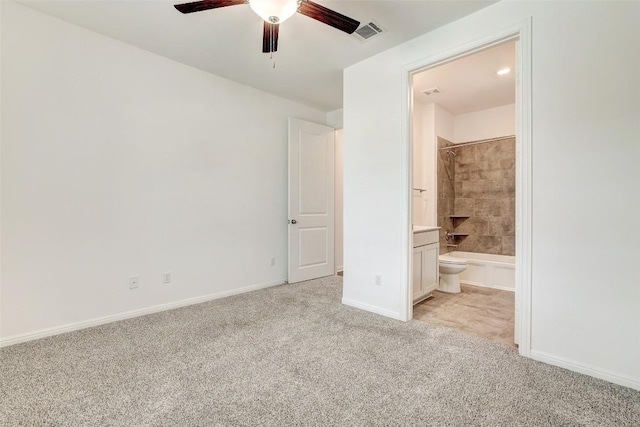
371,308
69,327
482,285
585,369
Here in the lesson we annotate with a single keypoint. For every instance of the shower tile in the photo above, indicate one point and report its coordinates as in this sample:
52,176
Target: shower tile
487,208
451,206
495,151
467,244
506,226
493,227
463,176
447,190
508,164
483,187
469,227
489,244
457,186
508,245
465,155
464,206
496,175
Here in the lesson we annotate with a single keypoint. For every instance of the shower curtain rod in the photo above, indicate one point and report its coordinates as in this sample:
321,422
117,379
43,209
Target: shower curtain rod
482,141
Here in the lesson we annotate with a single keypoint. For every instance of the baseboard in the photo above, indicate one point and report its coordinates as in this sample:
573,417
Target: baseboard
371,308
70,327
482,285
585,369
339,269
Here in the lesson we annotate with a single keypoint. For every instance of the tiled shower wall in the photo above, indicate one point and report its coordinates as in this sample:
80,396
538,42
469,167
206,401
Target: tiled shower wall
479,181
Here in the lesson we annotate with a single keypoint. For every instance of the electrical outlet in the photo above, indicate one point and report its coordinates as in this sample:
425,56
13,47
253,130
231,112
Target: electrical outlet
273,262
378,279
134,282
166,277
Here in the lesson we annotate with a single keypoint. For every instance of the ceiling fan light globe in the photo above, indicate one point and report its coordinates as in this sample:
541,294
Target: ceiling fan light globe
274,11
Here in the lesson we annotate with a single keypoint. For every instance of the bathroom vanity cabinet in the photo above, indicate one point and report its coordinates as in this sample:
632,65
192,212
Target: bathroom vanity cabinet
425,262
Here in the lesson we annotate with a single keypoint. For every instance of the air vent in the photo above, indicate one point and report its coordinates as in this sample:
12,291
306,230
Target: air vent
368,31
431,91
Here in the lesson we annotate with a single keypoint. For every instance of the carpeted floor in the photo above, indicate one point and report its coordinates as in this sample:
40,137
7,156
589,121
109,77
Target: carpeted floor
292,355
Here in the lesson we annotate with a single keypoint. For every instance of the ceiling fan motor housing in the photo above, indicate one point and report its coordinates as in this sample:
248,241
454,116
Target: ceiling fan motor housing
274,11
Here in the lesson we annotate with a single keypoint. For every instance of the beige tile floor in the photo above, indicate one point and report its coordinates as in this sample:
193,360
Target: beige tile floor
485,312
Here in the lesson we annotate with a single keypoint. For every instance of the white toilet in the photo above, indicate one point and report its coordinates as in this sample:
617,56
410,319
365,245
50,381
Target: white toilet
450,267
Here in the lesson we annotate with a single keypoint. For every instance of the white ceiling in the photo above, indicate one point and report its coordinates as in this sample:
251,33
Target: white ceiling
471,83
228,41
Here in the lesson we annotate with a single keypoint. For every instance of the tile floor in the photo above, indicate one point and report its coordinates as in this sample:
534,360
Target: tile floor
486,312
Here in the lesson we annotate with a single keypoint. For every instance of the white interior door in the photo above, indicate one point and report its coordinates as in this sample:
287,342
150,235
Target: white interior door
311,200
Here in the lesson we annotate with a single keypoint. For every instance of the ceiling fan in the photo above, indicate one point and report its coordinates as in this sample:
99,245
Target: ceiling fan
274,12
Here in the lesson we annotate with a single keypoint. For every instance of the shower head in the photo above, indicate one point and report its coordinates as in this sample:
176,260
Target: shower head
451,153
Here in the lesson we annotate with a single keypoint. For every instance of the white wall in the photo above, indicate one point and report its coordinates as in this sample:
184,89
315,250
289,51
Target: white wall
443,128
445,124
585,290
1,174
117,162
335,118
485,124
429,122
339,185
423,132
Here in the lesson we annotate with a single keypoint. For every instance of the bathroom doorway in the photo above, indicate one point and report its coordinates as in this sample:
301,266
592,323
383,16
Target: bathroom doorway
465,116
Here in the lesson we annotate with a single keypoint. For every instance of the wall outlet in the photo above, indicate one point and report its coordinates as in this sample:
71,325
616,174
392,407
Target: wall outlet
134,282
273,262
166,277
378,279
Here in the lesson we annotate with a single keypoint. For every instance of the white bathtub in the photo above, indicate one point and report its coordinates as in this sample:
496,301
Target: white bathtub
491,271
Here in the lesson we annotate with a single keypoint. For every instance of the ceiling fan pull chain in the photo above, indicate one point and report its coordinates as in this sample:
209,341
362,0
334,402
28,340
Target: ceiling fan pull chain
273,45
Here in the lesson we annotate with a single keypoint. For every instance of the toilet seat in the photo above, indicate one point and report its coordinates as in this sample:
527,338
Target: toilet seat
446,259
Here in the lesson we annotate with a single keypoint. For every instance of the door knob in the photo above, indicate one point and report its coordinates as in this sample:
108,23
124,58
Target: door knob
293,221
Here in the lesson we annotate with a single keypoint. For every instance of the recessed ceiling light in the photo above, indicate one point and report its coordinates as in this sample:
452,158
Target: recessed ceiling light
503,71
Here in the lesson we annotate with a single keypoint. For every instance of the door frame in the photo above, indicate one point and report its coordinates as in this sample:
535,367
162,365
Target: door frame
522,32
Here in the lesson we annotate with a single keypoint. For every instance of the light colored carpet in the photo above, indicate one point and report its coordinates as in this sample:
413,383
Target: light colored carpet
292,355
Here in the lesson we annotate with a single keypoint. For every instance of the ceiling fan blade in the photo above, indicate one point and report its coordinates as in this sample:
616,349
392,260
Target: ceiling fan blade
198,6
270,37
328,16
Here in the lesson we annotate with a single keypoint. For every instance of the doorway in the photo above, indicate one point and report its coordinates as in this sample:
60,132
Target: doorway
464,152
520,36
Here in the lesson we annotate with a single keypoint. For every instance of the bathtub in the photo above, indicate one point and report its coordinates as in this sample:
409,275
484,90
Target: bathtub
491,271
